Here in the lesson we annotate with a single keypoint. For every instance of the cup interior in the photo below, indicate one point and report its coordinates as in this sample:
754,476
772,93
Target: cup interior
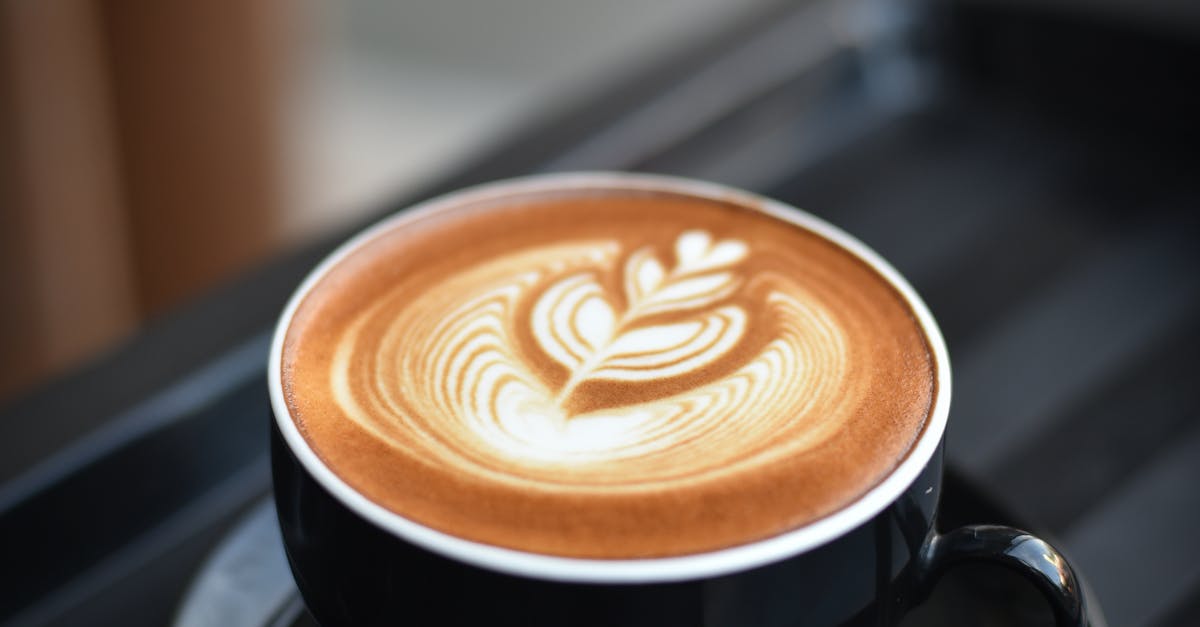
663,569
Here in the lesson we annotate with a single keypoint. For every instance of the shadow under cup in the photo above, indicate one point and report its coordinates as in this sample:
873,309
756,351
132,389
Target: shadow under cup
357,563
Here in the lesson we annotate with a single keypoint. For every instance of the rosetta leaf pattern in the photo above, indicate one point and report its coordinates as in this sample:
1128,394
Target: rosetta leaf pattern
577,324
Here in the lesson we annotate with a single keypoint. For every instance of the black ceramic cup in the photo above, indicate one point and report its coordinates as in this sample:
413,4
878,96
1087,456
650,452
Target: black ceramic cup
357,563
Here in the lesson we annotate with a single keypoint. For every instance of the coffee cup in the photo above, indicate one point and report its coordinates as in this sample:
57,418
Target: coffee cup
617,399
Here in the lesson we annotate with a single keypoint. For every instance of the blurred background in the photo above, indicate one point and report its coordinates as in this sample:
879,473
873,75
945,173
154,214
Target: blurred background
152,151
169,172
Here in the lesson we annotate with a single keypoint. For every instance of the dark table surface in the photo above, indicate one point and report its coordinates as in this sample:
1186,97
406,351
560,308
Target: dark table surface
1034,176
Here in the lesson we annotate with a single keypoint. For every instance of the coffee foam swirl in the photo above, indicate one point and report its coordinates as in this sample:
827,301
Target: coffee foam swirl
450,381
606,373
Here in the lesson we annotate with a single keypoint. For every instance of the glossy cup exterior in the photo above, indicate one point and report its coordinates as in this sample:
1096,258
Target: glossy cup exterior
357,563
351,572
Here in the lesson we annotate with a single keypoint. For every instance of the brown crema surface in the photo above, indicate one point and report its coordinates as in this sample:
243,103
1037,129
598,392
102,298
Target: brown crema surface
606,373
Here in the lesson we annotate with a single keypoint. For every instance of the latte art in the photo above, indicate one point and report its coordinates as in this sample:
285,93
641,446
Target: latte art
457,375
606,373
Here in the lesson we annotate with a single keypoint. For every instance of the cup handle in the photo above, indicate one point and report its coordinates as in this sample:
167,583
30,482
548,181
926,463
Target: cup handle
1028,555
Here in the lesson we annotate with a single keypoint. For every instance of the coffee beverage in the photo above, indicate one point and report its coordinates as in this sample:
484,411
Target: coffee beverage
606,371
617,399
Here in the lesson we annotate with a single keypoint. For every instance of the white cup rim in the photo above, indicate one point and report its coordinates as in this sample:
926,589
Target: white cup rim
642,570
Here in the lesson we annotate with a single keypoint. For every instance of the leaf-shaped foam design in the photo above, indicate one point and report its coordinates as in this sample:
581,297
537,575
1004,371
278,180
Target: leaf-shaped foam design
575,322
695,282
673,349
643,275
448,383
595,320
689,293
572,320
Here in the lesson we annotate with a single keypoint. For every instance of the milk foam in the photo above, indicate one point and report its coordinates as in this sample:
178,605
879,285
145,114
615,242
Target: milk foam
452,370
602,372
